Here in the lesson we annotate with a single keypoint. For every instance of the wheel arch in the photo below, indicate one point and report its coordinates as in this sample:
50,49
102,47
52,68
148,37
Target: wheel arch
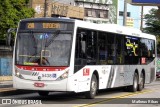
136,71
139,73
144,74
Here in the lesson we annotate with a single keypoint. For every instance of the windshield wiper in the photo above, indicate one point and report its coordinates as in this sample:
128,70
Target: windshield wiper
53,38
35,46
47,44
31,32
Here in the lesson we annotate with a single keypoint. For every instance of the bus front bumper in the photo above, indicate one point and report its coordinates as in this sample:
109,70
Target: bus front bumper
39,85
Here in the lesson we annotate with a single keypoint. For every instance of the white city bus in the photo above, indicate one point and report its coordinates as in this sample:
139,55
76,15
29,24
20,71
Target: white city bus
57,54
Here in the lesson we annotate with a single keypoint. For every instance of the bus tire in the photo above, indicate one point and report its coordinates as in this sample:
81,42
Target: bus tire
93,88
43,93
134,87
141,83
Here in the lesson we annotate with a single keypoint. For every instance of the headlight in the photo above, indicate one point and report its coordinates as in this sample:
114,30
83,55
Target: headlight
17,74
63,76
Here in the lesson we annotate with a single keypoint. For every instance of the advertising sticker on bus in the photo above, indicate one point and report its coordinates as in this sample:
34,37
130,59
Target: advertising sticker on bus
86,71
143,60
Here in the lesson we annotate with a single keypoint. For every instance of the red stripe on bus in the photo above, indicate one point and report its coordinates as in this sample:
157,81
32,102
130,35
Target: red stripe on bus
35,68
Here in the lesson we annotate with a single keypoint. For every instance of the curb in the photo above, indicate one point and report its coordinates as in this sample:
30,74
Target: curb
15,92
6,86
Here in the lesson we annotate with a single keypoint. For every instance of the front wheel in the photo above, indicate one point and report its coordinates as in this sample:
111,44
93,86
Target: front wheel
93,88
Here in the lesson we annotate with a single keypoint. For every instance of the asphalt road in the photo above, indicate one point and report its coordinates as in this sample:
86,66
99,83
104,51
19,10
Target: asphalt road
149,97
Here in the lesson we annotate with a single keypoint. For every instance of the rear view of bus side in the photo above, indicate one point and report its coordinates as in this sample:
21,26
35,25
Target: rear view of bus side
82,57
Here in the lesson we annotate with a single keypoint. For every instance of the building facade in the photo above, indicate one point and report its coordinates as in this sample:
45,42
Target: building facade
99,11
52,8
96,11
133,15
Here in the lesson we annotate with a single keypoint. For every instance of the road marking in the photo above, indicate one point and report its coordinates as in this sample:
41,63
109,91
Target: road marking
113,98
6,89
156,89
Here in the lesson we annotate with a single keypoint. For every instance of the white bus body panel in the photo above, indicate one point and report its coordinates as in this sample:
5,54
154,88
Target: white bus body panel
49,85
109,75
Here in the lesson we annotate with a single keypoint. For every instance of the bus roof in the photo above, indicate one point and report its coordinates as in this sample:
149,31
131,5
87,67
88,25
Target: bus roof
49,19
113,28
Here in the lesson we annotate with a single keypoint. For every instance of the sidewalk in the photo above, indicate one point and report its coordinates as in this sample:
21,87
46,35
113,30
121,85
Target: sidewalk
6,84
6,88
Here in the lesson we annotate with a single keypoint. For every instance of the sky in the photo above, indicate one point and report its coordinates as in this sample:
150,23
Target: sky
147,8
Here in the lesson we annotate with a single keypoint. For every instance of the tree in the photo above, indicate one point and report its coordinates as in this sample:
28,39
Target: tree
11,11
153,25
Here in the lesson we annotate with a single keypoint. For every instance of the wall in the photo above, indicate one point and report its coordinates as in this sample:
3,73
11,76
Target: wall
5,64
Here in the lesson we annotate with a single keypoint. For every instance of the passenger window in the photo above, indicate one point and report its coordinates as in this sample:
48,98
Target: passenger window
131,50
86,43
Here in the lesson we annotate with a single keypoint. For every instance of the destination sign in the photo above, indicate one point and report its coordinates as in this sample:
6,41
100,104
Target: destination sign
51,25
45,25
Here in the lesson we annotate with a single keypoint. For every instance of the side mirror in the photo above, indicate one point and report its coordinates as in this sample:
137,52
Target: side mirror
9,36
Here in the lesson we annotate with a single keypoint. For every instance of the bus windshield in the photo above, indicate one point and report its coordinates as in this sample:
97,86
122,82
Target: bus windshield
43,49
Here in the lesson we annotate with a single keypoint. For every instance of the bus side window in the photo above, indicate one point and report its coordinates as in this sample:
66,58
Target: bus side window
119,41
147,49
91,47
80,51
103,48
111,48
132,50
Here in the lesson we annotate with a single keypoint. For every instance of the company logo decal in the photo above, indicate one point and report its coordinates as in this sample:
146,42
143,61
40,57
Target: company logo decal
86,71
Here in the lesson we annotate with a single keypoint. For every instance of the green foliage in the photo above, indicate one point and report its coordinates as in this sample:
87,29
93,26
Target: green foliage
153,25
11,11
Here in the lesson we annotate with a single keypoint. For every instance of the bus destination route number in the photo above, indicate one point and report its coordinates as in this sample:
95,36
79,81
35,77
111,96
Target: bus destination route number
30,25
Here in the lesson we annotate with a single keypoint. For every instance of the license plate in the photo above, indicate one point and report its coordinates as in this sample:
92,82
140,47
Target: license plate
39,84
48,75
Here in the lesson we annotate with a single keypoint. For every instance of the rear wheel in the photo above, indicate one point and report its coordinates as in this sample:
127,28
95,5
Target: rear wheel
93,88
43,93
134,87
141,84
